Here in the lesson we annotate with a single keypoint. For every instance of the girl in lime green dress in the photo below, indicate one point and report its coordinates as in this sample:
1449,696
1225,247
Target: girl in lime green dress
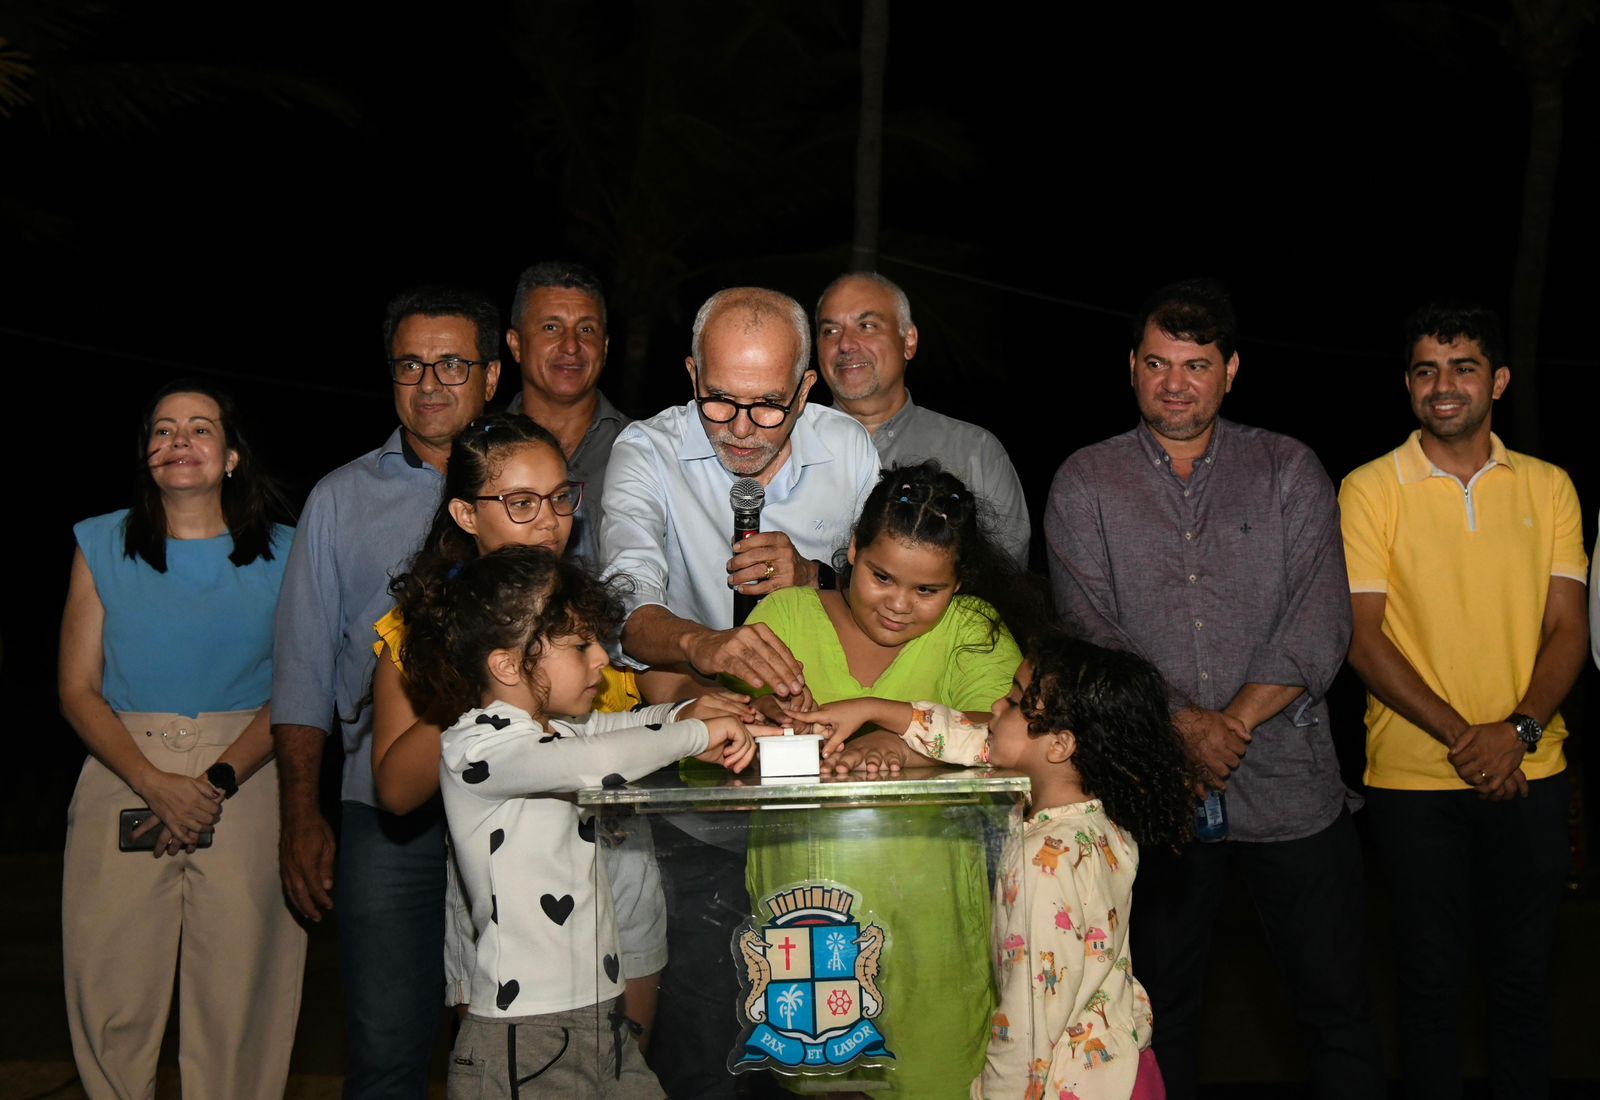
911,621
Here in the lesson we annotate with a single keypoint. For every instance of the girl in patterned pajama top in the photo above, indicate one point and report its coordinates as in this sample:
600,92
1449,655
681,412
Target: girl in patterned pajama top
1090,728
511,644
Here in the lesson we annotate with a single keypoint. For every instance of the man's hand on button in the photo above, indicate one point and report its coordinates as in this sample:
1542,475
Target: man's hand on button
753,653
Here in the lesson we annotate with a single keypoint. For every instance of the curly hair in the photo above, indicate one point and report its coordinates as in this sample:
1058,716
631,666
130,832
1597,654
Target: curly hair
519,597
925,505
1128,754
1448,322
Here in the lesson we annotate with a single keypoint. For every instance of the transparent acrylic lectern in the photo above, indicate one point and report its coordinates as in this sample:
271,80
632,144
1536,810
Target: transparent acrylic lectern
836,931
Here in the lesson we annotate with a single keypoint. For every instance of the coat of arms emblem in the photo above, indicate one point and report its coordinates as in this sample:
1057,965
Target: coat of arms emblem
809,984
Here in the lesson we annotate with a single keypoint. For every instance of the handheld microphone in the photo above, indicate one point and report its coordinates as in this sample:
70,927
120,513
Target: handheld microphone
747,496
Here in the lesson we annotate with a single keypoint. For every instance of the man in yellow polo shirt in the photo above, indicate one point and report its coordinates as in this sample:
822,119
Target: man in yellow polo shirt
1467,578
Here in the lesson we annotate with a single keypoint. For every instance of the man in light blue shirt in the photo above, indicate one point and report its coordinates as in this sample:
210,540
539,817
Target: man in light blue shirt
669,529
361,524
668,524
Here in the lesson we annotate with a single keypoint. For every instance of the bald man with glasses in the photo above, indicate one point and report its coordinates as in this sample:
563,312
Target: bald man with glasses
669,529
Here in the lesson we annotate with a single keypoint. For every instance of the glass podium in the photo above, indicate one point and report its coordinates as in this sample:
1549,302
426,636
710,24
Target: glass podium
833,931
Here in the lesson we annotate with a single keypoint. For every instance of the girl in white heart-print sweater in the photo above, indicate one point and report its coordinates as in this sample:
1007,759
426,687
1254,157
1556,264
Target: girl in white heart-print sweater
511,643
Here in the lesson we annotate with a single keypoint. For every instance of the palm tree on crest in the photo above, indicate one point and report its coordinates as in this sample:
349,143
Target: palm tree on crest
789,1002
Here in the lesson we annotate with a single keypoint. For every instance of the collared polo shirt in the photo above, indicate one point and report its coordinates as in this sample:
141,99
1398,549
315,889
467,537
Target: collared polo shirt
669,526
362,524
1465,571
969,452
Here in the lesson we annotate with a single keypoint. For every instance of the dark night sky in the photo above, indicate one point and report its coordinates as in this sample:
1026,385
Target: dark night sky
1045,169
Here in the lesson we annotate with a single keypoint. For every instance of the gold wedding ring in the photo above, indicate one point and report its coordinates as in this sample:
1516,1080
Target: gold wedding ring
771,569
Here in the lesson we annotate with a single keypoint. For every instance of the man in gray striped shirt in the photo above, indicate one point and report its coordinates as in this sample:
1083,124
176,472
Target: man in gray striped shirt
865,338
1213,549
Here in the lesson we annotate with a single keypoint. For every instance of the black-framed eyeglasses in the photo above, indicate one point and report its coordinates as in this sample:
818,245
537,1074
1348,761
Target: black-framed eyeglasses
450,371
763,414
523,505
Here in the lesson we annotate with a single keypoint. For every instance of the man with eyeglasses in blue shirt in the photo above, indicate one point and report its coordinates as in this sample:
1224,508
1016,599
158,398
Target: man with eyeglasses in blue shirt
668,528
361,524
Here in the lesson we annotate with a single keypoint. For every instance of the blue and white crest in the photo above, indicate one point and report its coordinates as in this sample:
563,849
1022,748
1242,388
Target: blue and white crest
809,984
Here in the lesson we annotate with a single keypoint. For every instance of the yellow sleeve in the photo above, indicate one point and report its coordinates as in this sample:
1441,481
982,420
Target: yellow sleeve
391,630
620,693
1365,522
1569,560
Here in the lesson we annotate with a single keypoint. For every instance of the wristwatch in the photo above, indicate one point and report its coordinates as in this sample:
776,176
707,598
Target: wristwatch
1528,730
226,780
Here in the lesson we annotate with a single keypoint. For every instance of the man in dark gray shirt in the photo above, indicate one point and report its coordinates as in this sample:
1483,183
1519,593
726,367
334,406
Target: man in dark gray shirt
865,338
558,338
1214,550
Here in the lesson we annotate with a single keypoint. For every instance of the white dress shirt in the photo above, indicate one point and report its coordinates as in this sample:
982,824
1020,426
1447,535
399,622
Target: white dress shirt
668,524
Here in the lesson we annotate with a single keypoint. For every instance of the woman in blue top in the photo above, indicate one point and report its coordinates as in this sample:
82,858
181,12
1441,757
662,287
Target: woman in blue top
166,669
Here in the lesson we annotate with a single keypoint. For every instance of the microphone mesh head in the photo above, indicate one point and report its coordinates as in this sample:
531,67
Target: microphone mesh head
747,495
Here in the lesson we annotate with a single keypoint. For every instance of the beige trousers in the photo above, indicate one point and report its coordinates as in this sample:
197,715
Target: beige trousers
217,918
